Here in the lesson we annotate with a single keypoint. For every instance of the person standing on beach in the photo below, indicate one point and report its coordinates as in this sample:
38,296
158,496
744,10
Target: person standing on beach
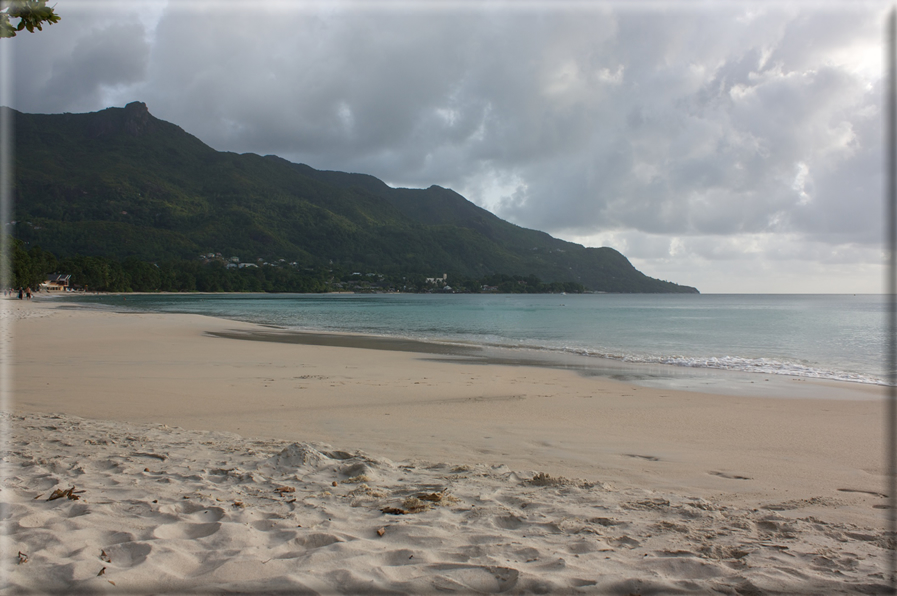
21,293
28,292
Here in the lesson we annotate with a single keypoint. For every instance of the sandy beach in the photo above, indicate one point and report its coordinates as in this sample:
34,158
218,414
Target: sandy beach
210,455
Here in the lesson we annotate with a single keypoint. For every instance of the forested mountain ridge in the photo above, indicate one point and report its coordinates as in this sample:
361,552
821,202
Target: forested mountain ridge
121,183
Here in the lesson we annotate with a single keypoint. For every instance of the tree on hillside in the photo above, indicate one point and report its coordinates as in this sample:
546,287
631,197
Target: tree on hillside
30,268
30,13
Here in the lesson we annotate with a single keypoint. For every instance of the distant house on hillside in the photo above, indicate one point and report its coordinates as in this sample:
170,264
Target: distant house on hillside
57,282
438,280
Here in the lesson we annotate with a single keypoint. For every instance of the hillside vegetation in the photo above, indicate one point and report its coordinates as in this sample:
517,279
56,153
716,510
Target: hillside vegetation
124,185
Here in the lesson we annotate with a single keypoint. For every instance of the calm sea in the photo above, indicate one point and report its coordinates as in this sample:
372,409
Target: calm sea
839,337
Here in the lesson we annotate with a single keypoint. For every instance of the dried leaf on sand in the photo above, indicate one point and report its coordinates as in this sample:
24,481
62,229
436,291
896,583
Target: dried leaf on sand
69,493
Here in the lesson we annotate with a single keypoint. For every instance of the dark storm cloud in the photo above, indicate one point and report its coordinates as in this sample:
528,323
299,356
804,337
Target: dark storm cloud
344,88
72,67
747,127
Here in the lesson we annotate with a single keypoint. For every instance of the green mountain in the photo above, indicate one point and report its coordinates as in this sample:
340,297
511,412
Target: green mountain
121,183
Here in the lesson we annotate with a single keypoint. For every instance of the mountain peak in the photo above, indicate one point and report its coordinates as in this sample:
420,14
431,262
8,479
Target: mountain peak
136,108
137,118
134,119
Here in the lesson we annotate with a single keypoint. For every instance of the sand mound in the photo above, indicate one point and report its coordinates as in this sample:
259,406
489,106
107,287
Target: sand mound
296,456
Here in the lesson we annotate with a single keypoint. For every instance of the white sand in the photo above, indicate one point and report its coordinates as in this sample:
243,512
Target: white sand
671,492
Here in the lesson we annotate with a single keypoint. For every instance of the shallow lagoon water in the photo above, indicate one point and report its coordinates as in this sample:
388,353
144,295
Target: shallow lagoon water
829,337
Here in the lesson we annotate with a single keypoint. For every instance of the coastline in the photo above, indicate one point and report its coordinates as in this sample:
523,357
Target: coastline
658,376
614,336
795,458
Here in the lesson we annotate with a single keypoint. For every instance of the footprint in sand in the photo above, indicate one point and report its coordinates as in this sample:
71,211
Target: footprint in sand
113,537
186,531
488,580
402,556
128,554
318,540
278,537
607,522
528,553
687,568
582,547
509,522
36,520
207,515
624,542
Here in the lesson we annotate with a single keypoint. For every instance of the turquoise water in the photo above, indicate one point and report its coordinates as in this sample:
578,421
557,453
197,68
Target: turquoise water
813,336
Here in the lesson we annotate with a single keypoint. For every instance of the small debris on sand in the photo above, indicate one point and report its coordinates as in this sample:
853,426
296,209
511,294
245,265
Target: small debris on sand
394,511
361,478
415,505
69,493
544,479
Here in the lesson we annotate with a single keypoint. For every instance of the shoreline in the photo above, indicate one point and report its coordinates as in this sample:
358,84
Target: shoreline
659,376
769,460
705,379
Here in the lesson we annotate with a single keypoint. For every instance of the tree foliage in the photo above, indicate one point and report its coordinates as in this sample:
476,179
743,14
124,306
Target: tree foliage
31,15
102,274
122,184
29,267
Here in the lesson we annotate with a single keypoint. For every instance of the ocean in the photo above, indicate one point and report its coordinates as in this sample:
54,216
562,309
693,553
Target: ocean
834,337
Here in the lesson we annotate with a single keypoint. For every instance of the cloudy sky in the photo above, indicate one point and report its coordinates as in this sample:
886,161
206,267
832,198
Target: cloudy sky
735,147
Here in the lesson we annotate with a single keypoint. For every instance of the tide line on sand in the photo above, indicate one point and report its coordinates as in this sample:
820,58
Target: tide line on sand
152,508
